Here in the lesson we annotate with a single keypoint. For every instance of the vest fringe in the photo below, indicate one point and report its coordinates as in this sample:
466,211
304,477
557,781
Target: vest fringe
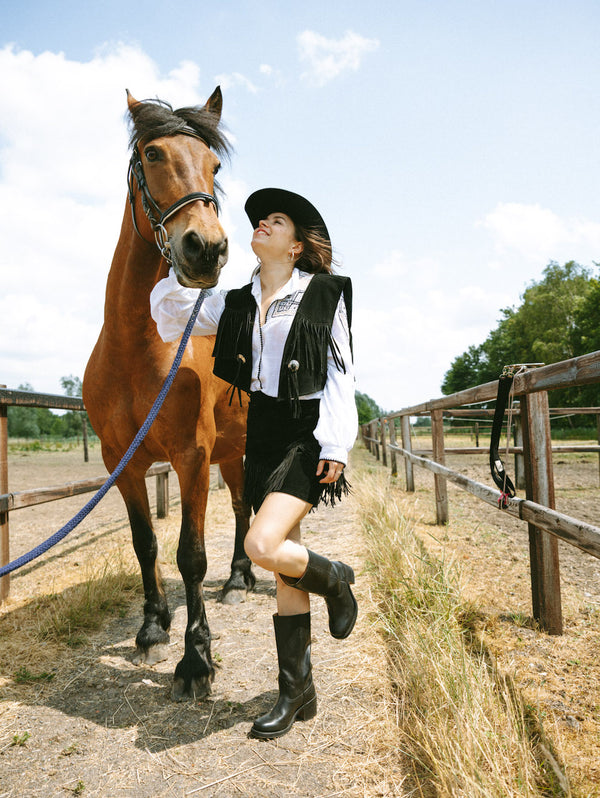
307,343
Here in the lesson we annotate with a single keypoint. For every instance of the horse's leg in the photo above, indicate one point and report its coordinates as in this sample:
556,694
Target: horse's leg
195,671
153,634
241,578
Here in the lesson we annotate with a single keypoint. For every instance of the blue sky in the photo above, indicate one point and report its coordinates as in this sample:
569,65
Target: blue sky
452,148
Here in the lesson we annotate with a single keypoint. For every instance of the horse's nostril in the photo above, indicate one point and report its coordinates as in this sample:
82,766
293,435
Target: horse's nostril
193,245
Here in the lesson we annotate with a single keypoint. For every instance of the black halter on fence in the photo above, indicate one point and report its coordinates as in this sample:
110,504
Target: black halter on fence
503,402
499,475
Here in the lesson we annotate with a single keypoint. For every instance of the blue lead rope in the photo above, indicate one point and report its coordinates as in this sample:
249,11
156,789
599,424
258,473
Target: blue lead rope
77,519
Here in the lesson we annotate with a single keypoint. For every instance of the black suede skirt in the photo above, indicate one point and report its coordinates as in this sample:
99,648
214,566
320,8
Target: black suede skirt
282,453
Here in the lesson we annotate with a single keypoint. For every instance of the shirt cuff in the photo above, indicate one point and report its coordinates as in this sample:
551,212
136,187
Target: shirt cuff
337,453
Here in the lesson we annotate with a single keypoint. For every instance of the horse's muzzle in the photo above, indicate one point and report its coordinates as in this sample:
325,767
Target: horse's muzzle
198,262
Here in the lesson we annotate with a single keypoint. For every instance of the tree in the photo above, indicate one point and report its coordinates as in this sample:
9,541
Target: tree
37,422
29,422
367,408
586,327
71,385
586,338
73,419
465,370
541,329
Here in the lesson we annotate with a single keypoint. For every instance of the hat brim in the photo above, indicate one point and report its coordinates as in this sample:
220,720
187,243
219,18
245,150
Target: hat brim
270,200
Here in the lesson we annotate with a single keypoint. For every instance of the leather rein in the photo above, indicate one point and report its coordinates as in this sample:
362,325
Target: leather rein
156,217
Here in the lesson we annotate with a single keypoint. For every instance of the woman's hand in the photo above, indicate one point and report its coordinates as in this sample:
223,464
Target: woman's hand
331,469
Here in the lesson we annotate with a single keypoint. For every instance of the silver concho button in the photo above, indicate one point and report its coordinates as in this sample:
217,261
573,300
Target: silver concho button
293,365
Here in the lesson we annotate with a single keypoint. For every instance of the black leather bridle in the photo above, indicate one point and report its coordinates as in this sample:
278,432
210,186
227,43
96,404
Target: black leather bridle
156,217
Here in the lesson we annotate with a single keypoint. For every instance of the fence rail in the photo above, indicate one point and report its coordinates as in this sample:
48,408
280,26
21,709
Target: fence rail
533,465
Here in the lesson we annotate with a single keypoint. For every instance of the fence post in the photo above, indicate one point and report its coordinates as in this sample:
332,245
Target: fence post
598,436
373,434
393,457
539,479
383,442
407,444
162,495
477,434
86,454
4,530
441,486
519,458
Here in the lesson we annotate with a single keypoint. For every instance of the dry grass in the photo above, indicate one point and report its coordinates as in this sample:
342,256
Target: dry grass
52,623
462,725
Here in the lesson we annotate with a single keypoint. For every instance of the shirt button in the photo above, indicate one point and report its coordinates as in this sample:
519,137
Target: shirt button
293,365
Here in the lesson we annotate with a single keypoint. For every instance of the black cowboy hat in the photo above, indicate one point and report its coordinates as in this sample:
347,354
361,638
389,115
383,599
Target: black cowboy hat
270,200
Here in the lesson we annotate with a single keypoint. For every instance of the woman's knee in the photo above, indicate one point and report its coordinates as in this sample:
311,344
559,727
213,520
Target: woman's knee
259,550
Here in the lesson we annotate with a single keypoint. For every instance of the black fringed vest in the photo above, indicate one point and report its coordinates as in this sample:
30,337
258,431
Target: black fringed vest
304,362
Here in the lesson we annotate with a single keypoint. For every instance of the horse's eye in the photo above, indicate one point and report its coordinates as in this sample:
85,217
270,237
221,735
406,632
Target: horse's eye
151,154
216,169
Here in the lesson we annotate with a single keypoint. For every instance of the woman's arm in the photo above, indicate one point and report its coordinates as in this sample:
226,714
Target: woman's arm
338,419
171,305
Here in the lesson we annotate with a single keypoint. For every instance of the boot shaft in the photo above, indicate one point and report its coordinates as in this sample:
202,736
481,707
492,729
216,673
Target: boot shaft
292,638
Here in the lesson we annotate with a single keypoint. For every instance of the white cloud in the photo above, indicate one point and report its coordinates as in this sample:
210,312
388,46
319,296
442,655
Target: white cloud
423,321
329,58
538,234
228,81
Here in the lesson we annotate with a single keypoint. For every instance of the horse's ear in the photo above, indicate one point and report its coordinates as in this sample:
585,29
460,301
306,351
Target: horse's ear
214,104
131,101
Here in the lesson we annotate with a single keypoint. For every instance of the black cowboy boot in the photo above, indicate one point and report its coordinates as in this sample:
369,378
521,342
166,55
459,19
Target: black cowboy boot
297,698
330,579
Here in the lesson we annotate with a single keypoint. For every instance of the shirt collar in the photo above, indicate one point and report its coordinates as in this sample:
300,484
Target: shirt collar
296,282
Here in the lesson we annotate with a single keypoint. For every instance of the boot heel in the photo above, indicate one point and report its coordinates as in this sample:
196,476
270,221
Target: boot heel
308,710
348,574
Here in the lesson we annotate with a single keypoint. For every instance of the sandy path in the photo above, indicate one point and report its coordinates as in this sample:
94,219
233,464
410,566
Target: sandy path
105,727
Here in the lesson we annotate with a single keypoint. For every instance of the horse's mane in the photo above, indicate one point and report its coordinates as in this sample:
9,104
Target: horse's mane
151,119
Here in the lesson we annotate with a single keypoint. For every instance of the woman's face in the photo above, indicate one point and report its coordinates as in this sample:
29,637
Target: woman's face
275,238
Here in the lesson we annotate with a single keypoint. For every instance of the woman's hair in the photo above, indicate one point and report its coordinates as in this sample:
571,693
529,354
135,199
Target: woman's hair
316,255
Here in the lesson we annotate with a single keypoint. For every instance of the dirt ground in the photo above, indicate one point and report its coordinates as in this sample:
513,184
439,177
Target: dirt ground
106,727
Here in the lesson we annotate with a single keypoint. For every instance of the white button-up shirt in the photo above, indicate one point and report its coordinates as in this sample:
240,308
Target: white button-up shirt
171,305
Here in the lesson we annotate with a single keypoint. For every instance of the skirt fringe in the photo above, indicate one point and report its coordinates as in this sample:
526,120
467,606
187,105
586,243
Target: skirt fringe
260,480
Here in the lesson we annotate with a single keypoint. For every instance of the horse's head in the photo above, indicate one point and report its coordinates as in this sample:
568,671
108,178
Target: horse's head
174,163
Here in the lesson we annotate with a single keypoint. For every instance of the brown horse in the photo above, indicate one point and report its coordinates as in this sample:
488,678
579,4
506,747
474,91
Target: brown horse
171,185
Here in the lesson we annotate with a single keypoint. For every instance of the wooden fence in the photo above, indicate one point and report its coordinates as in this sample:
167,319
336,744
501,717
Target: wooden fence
545,524
10,502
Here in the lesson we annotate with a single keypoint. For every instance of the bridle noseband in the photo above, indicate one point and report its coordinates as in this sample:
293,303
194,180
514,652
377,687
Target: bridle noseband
156,217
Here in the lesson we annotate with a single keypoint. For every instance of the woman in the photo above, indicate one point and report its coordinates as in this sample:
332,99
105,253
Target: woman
285,339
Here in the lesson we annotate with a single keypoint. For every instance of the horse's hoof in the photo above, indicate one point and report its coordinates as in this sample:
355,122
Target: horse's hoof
198,689
154,654
235,596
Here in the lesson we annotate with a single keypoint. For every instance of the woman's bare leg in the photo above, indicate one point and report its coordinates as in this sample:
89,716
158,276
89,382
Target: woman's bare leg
273,542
